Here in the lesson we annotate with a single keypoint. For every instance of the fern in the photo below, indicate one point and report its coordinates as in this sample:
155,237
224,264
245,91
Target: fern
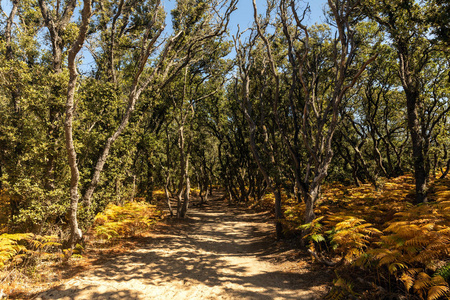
341,289
439,290
106,232
351,236
408,278
414,240
122,221
9,246
314,233
431,288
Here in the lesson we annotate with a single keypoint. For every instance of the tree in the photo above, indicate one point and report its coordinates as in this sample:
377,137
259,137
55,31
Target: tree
57,18
75,232
316,112
262,136
373,135
405,23
202,78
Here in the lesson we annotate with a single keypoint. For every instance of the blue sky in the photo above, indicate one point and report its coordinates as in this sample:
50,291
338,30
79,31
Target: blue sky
244,13
242,16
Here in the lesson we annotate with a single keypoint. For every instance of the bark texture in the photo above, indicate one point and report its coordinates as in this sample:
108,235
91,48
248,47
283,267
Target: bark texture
75,231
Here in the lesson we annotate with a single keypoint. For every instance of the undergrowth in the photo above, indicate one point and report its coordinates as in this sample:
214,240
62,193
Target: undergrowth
389,246
130,219
28,259
380,245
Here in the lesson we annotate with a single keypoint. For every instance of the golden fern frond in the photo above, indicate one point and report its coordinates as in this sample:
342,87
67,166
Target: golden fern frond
418,241
9,246
381,253
438,251
438,291
444,230
396,266
408,280
51,244
351,236
439,288
387,256
15,236
126,220
423,281
392,241
405,231
349,223
36,243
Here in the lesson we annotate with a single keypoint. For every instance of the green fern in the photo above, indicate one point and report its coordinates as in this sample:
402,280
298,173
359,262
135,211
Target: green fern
444,272
315,232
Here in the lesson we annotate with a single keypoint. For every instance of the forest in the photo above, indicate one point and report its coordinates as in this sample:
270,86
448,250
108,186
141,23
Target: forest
116,114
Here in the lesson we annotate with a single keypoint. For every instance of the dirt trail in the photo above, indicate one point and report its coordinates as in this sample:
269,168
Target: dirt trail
217,253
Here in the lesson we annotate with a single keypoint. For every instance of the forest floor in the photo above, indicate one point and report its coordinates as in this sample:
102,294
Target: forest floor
218,252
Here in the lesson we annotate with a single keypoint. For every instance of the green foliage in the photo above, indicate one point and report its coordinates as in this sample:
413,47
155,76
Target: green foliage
314,233
444,272
39,209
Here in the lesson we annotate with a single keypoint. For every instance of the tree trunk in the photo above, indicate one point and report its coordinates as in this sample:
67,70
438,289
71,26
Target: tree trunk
182,173
75,232
166,191
447,169
278,214
419,157
55,24
8,29
137,88
110,141
311,198
187,190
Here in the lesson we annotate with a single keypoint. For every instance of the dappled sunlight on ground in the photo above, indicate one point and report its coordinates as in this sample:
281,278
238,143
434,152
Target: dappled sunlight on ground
217,253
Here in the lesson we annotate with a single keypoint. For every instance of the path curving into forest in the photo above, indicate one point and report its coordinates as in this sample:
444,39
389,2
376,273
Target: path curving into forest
217,253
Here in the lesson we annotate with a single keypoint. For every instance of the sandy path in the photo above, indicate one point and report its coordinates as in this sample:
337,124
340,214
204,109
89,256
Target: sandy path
212,255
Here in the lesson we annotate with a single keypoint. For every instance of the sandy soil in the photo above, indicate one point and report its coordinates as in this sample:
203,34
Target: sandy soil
217,253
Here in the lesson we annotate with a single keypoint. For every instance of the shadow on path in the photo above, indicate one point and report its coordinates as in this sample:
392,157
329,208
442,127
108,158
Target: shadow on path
217,253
